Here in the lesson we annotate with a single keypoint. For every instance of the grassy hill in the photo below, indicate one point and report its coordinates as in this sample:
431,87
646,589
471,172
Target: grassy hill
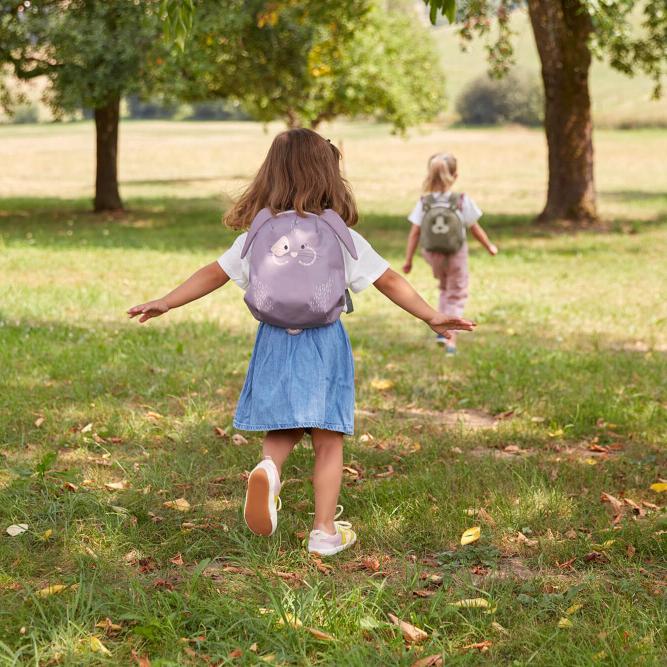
618,100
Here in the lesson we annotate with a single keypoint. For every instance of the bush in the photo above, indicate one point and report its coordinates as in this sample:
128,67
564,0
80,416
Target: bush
217,110
149,109
25,113
516,98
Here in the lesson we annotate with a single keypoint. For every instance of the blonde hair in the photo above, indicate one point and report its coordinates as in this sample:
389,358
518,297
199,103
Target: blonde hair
441,173
301,172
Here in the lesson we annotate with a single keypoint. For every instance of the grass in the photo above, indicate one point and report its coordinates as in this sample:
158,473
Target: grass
570,350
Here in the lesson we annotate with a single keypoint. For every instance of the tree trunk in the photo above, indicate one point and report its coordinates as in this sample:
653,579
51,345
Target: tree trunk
562,29
107,197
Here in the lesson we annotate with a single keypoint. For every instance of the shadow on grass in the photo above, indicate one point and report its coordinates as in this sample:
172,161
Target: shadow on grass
195,224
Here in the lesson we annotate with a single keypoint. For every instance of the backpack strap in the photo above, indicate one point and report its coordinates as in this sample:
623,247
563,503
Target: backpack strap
457,200
341,230
264,215
428,201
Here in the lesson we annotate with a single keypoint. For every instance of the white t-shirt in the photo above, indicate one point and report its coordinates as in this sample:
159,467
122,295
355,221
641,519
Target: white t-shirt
359,273
470,212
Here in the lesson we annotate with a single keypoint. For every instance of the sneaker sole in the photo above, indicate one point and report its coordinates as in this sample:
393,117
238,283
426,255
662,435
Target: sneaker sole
334,550
256,510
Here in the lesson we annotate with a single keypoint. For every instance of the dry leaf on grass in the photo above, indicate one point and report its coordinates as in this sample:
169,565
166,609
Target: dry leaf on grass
411,633
499,628
319,634
177,560
522,539
236,653
95,645
87,428
472,603
366,437
180,504
55,589
220,432
382,385
564,623
322,567
109,627
659,487
424,593
39,421
479,646
153,416
471,535
121,485
429,661
238,439
16,529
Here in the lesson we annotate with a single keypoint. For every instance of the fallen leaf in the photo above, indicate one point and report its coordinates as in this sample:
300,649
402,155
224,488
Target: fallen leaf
571,534
616,504
117,486
291,620
238,439
141,660
522,539
411,633
254,647
236,653
352,472
387,473
109,627
480,646
366,437
472,603
180,504
177,560
649,505
573,609
87,428
16,529
630,551
96,646
429,661
39,421
499,628
595,557
46,535
471,535
512,449
564,623
424,593
322,567
659,487
70,487
153,416
54,589
220,432
486,517
591,461
382,385
319,634
567,565
457,450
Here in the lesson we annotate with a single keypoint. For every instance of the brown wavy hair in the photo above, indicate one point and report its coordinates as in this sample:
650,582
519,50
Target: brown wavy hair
301,172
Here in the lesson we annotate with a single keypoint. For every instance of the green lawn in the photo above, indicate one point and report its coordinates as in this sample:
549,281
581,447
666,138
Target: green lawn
558,397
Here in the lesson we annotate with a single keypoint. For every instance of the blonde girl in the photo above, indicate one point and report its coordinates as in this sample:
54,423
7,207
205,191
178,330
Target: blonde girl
450,270
299,380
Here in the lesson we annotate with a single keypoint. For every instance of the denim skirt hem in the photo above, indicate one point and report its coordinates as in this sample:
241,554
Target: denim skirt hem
325,426
300,381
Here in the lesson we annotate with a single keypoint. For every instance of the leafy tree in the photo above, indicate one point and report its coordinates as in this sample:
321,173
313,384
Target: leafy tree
309,62
92,53
568,34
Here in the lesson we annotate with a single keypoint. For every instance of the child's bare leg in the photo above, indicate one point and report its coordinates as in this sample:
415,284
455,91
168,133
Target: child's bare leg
327,477
279,445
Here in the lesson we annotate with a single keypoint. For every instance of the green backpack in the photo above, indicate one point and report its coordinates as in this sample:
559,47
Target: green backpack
442,228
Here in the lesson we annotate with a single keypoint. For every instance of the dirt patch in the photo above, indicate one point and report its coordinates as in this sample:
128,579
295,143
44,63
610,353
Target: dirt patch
468,419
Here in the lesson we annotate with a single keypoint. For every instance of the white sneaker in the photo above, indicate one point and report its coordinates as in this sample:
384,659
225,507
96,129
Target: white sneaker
324,544
262,501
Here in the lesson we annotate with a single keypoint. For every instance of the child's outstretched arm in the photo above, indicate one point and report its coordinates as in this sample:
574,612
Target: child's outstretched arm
413,241
478,232
204,281
398,289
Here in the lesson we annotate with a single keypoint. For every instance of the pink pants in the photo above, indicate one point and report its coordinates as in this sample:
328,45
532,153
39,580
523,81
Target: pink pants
451,272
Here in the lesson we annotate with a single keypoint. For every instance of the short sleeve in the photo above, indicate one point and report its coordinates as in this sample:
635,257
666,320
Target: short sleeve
470,212
231,263
362,272
417,214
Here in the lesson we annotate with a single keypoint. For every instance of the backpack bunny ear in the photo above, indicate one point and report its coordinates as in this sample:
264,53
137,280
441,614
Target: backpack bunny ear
341,230
264,215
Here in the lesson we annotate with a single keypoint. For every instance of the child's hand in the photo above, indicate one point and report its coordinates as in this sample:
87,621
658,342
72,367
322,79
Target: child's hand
493,250
407,267
442,324
148,310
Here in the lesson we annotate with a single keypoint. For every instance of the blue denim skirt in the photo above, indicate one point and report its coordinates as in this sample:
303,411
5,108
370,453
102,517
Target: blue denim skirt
299,381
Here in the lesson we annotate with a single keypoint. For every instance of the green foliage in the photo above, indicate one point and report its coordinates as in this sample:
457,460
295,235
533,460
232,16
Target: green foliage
91,52
445,7
515,98
309,62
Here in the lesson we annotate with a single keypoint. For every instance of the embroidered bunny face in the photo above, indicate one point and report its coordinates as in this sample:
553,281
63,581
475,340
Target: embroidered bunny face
297,246
439,225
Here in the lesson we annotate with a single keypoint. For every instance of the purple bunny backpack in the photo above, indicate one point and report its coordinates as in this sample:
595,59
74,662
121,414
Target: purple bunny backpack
297,270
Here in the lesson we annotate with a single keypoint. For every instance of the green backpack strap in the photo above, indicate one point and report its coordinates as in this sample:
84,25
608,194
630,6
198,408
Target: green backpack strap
428,201
456,200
